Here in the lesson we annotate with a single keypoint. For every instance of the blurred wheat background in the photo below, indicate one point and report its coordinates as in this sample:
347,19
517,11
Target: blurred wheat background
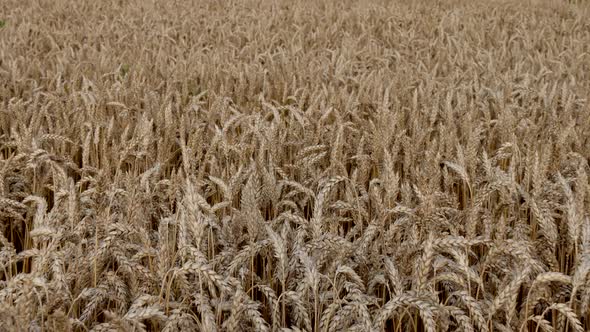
261,165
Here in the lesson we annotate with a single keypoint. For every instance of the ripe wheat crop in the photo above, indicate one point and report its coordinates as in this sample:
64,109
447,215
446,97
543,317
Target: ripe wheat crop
274,165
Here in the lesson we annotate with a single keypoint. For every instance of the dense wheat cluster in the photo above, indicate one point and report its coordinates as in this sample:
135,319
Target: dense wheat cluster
270,165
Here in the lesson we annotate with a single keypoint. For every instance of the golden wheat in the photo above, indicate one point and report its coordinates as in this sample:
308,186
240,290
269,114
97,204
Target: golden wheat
294,166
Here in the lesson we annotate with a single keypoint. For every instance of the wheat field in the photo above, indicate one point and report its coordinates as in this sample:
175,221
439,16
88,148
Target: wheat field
272,165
